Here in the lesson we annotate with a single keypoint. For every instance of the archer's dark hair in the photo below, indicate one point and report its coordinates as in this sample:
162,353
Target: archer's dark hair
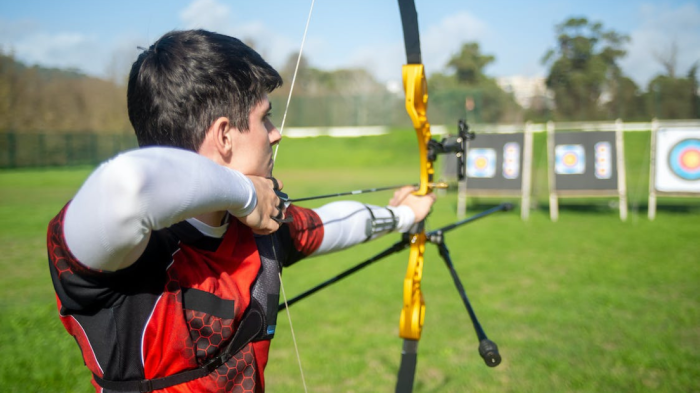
188,79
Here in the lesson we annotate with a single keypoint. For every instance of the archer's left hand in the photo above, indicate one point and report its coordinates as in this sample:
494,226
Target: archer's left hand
419,204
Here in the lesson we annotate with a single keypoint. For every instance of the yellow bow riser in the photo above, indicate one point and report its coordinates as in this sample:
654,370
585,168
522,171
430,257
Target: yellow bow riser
416,88
413,312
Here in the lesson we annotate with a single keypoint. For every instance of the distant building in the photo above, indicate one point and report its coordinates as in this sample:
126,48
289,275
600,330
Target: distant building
529,92
394,87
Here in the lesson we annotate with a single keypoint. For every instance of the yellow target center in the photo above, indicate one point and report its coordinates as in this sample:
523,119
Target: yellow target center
570,159
691,159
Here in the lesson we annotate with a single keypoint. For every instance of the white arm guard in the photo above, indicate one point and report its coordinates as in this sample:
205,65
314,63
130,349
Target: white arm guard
109,222
347,223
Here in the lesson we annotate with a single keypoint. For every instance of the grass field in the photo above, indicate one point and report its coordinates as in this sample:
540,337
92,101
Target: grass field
587,304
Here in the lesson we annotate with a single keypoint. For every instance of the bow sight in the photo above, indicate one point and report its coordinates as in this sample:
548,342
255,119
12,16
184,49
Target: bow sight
453,144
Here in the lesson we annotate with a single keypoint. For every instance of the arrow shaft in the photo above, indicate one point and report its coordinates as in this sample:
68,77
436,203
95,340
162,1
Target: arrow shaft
364,191
354,192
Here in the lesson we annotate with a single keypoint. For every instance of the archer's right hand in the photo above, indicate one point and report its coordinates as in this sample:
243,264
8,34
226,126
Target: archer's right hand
264,219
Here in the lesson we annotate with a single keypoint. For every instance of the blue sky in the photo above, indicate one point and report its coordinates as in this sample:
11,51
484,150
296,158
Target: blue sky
100,37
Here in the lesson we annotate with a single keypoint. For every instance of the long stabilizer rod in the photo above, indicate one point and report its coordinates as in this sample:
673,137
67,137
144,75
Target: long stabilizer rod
487,348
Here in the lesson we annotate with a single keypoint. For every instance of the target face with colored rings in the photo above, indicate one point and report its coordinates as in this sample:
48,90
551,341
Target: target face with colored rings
481,162
684,159
603,160
569,160
511,160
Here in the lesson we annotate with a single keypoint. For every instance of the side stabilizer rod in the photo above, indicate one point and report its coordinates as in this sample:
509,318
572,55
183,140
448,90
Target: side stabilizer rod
396,247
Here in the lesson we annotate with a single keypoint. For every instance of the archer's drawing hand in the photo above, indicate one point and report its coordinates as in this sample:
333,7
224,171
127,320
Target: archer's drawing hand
419,204
269,207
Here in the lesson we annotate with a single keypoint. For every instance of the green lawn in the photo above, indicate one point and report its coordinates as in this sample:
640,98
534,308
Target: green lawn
587,304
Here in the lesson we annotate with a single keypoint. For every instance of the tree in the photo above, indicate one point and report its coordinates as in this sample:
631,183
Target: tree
626,100
583,66
469,64
324,98
675,98
668,59
466,89
49,100
312,81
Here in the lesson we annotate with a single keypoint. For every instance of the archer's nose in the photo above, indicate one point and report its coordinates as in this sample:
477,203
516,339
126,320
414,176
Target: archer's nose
273,133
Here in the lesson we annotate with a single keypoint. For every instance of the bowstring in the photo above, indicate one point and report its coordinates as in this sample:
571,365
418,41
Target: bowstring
291,328
289,315
294,78
274,158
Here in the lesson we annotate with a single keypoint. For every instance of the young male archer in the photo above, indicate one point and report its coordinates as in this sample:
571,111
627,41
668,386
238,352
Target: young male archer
166,262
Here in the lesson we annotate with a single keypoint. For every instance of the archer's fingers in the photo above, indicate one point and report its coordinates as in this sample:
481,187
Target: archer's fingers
276,183
400,195
267,229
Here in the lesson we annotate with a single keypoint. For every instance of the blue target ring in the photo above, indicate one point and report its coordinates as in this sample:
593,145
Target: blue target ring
684,159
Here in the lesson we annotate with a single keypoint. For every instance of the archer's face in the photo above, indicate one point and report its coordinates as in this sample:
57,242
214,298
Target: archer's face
252,149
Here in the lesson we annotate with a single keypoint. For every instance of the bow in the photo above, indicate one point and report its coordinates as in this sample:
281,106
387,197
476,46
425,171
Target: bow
416,89
413,311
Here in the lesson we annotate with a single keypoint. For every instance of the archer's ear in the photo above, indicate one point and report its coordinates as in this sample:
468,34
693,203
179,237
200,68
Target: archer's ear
218,144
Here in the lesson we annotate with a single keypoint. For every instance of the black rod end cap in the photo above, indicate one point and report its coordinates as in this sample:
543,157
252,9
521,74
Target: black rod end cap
489,352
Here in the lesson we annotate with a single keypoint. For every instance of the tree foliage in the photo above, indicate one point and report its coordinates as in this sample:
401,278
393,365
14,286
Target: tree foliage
671,97
582,66
466,86
38,99
468,65
583,73
627,101
312,81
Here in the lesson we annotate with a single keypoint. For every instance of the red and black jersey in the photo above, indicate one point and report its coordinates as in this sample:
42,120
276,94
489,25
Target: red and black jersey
180,303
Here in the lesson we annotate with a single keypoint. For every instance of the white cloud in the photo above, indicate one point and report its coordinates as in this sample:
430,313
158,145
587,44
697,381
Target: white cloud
660,27
216,16
383,60
443,40
207,14
122,55
13,30
32,45
64,50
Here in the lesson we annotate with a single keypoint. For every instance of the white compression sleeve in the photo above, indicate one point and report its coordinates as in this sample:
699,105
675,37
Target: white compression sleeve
347,223
109,222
